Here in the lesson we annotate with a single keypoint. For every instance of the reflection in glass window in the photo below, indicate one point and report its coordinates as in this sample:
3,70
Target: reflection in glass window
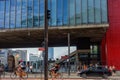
24,13
65,12
53,12
97,11
2,5
84,11
104,11
18,14
94,49
7,13
12,16
78,12
59,12
49,8
36,14
41,13
91,11
72,12
30,13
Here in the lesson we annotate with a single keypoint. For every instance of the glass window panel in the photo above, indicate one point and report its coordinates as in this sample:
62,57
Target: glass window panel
91,11
49,8
94,49
78,12
30,13
2,5
7,13
53,12
12,14
36,13
72,12
59,12
41,13
65,12
84,11
97,11
18,14
24,13
104,11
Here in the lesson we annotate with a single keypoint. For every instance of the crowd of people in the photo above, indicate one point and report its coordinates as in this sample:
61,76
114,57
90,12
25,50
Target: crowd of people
1,67
21,66
27,67
55,68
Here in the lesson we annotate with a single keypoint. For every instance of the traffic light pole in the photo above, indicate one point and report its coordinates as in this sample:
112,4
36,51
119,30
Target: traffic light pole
46,41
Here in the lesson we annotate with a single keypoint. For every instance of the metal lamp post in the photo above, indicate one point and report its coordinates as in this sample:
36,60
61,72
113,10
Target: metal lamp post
46,40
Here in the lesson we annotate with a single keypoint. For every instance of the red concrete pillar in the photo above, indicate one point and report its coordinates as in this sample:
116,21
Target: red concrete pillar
103,52
113,34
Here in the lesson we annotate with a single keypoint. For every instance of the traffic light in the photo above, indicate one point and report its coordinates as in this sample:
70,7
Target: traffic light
48,14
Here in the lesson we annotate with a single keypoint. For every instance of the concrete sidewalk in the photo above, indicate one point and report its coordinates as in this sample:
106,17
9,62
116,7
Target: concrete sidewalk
39,75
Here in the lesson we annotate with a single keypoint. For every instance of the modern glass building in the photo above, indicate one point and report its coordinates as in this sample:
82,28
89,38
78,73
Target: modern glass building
85,20
30,13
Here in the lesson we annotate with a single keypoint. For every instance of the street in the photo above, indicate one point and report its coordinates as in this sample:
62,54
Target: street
65,77
58,79
89,78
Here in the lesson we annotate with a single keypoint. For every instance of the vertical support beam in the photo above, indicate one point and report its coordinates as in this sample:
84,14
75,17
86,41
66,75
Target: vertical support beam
68,54
46,41
77,61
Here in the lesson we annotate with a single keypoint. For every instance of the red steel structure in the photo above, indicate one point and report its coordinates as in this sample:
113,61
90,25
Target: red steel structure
111,42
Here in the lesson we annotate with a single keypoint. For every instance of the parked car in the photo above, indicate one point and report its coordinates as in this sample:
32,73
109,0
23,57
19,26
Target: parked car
95,71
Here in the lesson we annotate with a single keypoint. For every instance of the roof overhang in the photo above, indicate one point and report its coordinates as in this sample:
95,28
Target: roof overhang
34,37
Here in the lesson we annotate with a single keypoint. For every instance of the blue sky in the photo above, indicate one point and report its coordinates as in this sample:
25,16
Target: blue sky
61,51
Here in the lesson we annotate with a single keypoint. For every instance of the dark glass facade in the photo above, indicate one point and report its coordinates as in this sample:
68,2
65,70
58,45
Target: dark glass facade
30,13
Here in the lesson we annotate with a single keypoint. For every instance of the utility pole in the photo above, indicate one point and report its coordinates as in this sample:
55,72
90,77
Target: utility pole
46,40
68,54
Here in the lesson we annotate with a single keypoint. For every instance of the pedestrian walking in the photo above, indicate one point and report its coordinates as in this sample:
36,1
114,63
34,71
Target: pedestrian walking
31,67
